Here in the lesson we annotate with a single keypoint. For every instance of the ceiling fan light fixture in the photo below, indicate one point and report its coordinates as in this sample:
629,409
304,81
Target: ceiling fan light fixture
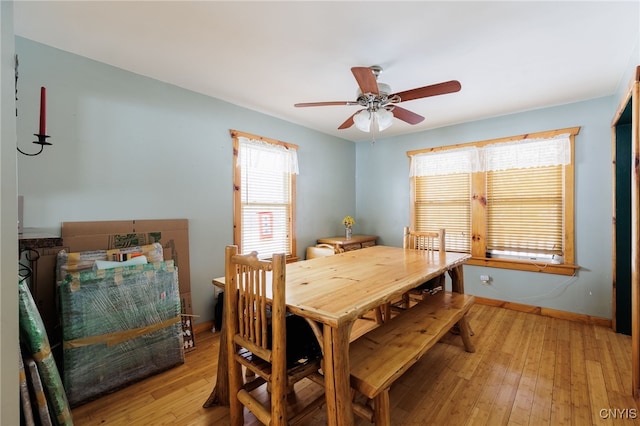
362,120
384,118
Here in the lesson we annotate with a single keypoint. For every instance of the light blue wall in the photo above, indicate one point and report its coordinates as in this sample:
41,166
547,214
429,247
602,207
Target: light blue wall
130,147
383,202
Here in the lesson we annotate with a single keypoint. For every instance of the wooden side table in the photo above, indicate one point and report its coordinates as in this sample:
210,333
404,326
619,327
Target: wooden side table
342,244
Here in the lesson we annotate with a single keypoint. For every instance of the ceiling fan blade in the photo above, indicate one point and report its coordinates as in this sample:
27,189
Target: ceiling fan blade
366,80
406,115
313,104
432,90
348,122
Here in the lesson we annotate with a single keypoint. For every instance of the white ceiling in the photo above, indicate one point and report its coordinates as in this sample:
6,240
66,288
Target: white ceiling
266,56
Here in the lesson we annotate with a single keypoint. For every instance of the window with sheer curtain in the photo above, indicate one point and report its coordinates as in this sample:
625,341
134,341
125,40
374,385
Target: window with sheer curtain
264,195
508,202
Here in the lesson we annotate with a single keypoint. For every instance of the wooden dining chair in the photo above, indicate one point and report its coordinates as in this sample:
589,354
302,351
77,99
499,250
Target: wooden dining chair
255,323
433,243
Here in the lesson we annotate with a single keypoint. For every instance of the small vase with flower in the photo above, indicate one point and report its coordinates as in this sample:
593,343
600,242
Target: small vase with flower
348,222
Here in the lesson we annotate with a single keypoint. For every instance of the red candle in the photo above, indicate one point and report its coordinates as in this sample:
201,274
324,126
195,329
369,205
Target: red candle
43,111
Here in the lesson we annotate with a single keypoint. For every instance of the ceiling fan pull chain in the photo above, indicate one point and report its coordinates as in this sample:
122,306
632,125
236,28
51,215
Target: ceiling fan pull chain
373,129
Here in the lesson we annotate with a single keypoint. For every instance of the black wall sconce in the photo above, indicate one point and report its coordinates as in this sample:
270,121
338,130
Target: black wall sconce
41,135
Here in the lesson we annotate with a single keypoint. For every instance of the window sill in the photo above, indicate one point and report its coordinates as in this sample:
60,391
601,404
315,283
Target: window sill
524,265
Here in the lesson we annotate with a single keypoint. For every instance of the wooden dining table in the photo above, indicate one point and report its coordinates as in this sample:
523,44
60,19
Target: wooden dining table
334,292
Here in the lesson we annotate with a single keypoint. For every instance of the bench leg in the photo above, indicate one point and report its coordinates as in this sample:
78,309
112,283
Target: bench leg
379,315
465,333
383,313
381,410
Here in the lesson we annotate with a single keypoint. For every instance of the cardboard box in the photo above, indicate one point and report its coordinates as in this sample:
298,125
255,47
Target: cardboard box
173,234
43,290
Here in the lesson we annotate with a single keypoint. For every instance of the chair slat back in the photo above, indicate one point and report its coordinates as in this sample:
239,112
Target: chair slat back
257,284
420,240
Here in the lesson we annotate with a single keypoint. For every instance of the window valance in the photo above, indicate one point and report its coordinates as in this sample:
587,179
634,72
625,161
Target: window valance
261,155
453,161
518,154
526,153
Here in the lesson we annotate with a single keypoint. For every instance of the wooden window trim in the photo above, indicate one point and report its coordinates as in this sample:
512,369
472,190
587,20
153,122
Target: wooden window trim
237,200
479,211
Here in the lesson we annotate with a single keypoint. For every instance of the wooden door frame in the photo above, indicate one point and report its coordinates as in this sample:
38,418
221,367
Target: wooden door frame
632,95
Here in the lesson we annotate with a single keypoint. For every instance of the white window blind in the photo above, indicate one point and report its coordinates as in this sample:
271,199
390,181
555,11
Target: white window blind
525,212
266,196
444,201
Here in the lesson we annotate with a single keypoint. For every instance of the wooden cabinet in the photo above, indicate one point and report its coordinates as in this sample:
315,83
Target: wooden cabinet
342,244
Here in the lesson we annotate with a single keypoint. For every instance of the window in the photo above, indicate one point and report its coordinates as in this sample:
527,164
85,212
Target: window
508,202
264,195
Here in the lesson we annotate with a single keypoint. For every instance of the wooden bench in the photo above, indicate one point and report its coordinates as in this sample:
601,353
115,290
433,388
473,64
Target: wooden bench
382,355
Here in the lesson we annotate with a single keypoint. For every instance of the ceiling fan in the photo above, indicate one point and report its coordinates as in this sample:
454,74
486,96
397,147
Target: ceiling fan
380,105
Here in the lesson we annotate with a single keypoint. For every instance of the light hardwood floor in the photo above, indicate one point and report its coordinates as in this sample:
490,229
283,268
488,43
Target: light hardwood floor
527,370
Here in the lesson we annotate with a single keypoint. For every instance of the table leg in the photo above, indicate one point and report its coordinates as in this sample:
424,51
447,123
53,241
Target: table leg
336,375
457,279
220,393
462,327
